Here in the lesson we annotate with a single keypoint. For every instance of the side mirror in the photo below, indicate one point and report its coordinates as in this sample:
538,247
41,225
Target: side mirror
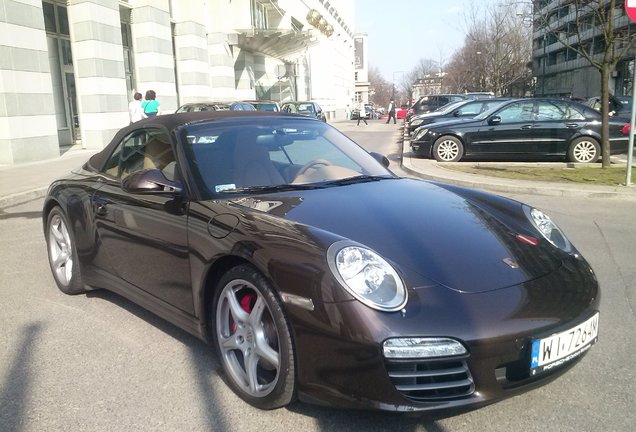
493,121
381,158
150,181
457,113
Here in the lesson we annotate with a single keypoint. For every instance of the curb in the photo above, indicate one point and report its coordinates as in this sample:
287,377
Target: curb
22,197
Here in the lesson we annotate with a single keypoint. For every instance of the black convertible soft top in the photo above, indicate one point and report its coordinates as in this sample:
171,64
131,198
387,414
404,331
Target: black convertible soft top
172,121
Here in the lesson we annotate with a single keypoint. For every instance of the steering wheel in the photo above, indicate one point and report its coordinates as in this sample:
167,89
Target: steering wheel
311,164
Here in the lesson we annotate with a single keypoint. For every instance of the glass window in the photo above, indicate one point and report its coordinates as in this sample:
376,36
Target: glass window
226,159
259,15
62,17
49,17
556,110
517,112
142,149
67,54
470,109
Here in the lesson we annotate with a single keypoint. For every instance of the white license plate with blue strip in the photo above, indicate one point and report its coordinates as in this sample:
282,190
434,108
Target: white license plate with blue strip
560,348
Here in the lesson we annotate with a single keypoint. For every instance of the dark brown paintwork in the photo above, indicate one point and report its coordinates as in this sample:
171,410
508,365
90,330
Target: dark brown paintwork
446,243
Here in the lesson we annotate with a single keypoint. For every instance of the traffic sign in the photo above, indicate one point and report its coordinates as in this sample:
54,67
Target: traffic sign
630,8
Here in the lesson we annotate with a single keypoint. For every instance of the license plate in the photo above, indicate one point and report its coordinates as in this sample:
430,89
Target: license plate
560,348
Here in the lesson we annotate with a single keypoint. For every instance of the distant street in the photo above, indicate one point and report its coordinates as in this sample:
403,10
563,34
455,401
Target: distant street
98,362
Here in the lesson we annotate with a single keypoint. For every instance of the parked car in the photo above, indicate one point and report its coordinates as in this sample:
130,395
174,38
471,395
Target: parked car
207,106
430,103
264,105
619,106
454,110
522,129
310,109
292,251
215,106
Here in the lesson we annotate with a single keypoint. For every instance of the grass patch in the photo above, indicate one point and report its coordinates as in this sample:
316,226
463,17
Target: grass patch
612,176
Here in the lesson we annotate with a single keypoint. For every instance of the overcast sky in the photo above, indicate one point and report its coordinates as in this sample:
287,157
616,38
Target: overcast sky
403,31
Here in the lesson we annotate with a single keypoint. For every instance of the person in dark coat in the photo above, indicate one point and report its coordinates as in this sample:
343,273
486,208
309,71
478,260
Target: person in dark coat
391,111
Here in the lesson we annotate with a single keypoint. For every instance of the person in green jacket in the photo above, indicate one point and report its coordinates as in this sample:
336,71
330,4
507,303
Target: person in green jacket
151,104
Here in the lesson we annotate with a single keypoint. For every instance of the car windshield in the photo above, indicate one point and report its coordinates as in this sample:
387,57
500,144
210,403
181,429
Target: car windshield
265,106
241,157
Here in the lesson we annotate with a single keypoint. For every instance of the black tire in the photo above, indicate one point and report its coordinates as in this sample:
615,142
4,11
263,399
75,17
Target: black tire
60,245
240,343
448,148
584,150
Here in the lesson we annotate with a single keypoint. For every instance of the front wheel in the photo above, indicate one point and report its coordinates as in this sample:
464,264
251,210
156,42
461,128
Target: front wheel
62,254
584,150
448,149
253,339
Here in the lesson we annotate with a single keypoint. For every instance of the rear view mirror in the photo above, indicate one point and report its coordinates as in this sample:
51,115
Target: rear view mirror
381,158
150,181
493,121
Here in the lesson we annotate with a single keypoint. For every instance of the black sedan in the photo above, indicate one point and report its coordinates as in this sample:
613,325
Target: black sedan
295,253
453,111
527,129
306,108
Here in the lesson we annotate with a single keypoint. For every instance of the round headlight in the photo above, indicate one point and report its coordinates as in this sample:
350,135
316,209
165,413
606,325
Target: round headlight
367,276
548,229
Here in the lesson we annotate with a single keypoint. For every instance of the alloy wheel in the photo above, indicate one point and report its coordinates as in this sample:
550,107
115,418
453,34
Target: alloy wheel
248,338
447,150
584,151
60,250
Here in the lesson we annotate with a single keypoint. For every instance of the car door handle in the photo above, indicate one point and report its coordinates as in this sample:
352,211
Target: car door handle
572,125
526,127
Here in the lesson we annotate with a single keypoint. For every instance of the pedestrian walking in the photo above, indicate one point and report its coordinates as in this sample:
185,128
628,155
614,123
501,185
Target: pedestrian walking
135,112
151,104
348,112
362,115
391,111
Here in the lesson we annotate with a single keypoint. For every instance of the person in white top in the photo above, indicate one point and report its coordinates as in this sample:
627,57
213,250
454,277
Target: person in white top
134,108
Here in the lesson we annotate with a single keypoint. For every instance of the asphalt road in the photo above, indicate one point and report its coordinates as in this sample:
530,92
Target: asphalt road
98,362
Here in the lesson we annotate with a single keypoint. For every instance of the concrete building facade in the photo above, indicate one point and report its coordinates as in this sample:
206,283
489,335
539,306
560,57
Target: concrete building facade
68,69
559,70
361,63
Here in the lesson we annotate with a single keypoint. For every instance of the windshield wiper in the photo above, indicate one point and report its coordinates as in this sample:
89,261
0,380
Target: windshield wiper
358,179
273,188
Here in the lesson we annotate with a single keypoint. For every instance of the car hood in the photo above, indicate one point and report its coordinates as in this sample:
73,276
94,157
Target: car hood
420,226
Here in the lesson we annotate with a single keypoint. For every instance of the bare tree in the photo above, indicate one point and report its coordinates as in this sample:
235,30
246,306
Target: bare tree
594,36
382,90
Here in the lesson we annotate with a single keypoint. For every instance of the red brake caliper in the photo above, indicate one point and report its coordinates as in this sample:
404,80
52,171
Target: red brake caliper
247,304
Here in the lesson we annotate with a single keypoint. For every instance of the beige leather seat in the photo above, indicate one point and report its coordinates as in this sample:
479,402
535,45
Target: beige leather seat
252,165
157,154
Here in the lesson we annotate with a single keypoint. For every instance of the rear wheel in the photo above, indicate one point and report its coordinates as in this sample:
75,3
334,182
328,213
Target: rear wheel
584,150
62,253
253,339
448,149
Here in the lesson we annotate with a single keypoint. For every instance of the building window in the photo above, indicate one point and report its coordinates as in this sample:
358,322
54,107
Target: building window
358,97
126,42
259,15
355,77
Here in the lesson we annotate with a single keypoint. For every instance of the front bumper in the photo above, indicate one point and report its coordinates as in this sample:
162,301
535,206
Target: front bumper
341,362
422,147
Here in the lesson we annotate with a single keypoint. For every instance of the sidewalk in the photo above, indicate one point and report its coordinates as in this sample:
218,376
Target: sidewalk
24,182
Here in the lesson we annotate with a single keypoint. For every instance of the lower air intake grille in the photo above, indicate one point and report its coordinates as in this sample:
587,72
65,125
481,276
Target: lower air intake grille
431,380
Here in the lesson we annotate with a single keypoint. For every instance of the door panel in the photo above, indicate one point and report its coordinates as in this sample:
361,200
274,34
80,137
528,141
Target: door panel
144,237
513,136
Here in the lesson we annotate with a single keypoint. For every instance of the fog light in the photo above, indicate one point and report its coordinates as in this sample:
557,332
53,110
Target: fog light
422,348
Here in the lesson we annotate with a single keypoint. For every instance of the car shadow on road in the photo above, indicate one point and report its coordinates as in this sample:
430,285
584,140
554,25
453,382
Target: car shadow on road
15,386
204,361
330,419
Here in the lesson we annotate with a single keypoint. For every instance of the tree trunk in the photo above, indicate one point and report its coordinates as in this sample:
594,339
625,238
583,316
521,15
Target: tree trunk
605,143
